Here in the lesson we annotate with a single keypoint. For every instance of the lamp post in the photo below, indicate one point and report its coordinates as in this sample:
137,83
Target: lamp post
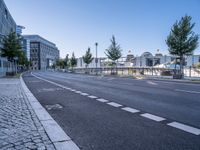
96,59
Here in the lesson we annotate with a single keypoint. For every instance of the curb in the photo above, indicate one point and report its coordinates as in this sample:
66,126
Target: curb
59,138
175,80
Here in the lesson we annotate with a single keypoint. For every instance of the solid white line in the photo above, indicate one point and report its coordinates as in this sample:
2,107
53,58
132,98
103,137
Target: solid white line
78,92
114,104
72,90
66,88
91,96
186,91
185,128
102,100
132,110
152,117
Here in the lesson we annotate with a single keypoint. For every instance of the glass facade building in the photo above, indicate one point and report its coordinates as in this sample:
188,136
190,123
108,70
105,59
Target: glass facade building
7,25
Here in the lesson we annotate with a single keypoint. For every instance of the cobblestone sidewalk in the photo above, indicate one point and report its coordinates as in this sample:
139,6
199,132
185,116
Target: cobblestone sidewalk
20,128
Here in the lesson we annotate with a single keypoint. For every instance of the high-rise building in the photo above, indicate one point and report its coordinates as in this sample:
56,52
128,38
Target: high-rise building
42,53
7,25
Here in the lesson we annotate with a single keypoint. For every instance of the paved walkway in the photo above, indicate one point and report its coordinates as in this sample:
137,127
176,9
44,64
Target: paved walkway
20,128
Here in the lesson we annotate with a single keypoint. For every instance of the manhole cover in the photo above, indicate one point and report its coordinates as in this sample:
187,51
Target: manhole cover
54,106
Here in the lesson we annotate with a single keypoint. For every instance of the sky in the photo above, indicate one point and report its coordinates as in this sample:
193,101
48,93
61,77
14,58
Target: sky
75,25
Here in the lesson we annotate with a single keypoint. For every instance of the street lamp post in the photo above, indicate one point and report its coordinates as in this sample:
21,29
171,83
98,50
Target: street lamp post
96,59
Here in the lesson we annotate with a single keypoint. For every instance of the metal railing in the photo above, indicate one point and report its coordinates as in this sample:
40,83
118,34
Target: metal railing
189,72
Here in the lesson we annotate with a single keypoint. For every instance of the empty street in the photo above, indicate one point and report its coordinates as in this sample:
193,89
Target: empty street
112,113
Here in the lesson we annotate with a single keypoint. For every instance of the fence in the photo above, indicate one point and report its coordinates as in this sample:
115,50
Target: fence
135,71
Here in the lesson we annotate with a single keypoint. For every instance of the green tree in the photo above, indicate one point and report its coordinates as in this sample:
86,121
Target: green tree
11,47
23,59
182,40
114,52
73,61
87,58
60,63
66,61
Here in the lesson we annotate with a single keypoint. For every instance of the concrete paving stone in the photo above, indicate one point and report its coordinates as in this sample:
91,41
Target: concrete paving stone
41,148
20,127
50,147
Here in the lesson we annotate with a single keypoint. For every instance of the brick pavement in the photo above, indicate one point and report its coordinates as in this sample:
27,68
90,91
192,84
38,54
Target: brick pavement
20,128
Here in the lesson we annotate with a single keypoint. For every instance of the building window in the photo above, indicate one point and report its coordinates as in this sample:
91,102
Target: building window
6,13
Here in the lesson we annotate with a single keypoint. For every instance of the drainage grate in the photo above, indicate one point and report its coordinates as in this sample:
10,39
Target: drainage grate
53,107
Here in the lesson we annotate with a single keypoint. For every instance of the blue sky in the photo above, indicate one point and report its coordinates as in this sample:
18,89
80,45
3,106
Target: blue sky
75,25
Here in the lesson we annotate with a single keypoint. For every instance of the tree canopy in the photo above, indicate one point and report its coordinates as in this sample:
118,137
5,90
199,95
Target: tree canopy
66,61
11,47
87,58
114,50
73,60
182,40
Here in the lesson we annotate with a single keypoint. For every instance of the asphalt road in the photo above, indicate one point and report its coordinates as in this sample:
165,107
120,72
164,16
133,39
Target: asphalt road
96,125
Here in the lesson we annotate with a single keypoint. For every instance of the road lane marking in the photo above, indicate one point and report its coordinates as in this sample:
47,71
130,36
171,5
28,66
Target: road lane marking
132,110
153,117
186,91
177,125
114,104
78,92
72,90
102,100
84,94
91,96
185,128
152,83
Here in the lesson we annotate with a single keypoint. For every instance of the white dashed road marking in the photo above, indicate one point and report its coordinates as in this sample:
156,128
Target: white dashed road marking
91,96
153,117
177,125
152,83
132,110
84,94
102,100
185,128
114,104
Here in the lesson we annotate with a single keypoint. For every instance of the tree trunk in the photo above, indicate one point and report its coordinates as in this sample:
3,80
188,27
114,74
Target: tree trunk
116,69
86,70
181,66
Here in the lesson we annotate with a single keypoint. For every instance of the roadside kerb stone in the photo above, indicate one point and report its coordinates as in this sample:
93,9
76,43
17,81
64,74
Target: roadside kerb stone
56,134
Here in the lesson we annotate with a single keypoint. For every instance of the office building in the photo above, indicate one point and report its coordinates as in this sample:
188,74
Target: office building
41,52
7,25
